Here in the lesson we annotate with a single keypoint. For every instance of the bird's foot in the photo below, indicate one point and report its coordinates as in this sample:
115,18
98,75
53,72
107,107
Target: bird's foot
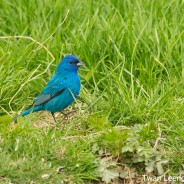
66,115
54,117
15,119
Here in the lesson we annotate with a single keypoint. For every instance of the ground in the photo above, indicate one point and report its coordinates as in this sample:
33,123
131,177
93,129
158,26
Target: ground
129,120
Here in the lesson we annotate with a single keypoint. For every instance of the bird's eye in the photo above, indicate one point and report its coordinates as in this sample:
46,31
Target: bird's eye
72,62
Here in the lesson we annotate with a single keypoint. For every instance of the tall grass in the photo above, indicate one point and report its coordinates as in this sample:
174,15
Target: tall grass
131,103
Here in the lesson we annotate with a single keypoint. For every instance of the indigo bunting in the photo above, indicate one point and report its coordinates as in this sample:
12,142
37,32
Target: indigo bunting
61,90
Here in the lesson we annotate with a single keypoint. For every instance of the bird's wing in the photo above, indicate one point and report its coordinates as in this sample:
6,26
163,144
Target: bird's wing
55,87
43,98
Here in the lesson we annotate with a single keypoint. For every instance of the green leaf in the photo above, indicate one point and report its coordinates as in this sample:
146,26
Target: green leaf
109,174
127,149
150,166
108,170
160,168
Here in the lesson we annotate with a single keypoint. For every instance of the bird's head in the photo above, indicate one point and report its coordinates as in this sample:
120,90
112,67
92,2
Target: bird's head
69,63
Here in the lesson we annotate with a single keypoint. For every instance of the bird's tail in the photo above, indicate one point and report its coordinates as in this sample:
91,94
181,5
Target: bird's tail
28,111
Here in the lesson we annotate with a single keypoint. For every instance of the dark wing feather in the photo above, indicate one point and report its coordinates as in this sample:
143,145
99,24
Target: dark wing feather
55,87
43,98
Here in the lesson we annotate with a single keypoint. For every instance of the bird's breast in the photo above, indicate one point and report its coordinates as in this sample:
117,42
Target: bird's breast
74,85
68,95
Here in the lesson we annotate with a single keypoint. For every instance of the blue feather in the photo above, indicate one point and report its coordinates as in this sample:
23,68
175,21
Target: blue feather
61,90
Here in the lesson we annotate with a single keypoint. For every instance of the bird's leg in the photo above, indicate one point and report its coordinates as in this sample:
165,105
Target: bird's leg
66,114
53,117
15,119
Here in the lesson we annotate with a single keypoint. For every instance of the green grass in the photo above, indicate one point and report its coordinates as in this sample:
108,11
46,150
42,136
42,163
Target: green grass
130,115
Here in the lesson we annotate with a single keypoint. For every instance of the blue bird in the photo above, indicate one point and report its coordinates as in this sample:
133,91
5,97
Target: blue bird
61,90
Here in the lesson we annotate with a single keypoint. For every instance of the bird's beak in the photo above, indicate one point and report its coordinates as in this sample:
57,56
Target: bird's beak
80,63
